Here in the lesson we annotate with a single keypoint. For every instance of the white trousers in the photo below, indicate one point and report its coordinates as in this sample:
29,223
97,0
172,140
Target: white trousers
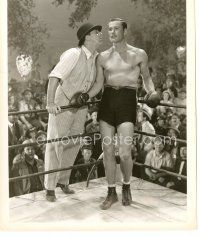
63,154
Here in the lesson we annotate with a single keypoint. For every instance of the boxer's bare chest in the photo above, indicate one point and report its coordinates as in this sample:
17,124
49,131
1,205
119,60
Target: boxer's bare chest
121,66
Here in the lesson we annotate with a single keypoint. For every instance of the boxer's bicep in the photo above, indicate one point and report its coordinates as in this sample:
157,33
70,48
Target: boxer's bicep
148,83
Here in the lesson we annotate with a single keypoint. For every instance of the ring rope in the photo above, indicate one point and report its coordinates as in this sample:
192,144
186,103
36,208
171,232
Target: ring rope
64,138
85,104
87,134
94,164
161,170
138,164
52,171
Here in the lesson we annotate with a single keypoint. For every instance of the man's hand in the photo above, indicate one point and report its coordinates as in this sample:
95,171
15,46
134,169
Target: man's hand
53,108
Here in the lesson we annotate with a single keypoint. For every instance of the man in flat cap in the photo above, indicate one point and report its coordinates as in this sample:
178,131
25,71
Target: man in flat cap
69,82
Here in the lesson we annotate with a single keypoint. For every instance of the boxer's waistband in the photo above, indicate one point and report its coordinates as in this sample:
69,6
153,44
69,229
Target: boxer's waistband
120,87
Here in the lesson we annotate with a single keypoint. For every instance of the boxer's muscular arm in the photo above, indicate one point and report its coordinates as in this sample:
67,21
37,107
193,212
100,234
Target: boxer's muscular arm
52,86
148,83
98,84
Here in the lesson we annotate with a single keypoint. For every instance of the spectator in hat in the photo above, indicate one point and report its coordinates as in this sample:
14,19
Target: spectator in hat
28,163
69,82
144,117
28,103
145,145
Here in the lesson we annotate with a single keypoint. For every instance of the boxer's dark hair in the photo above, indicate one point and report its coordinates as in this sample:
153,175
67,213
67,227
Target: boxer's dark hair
124,24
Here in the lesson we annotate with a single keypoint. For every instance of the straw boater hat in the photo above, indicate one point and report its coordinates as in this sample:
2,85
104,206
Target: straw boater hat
146,110
169,93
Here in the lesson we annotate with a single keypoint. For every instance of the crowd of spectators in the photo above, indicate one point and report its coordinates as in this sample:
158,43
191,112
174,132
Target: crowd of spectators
158,153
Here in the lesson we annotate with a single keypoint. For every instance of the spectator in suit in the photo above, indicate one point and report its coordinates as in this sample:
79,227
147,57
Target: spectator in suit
15,129
28,163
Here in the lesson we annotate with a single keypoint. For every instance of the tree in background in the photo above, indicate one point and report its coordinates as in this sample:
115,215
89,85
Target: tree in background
159,29
26,33
82,10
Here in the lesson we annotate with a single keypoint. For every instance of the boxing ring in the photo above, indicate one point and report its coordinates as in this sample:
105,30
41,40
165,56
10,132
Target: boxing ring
151,202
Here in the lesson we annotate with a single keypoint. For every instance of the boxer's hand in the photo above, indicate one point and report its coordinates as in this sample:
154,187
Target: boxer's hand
152,99
81,98
53,108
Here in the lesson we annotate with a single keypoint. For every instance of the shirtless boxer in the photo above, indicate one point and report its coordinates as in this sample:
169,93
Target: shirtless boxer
118,69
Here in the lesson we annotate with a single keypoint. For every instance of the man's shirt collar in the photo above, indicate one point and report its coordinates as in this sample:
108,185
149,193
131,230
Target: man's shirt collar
88,53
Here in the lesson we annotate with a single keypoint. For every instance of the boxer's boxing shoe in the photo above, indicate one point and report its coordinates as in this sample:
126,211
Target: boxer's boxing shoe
126,195
66,189
110,199
50,195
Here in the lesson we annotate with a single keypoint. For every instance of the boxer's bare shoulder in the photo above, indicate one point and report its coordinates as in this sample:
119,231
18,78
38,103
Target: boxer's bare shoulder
104,56
137,53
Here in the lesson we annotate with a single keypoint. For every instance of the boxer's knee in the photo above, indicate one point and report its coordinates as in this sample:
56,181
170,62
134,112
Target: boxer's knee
108,150
125,154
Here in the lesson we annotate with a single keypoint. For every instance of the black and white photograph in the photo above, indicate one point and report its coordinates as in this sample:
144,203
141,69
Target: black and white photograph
78,154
